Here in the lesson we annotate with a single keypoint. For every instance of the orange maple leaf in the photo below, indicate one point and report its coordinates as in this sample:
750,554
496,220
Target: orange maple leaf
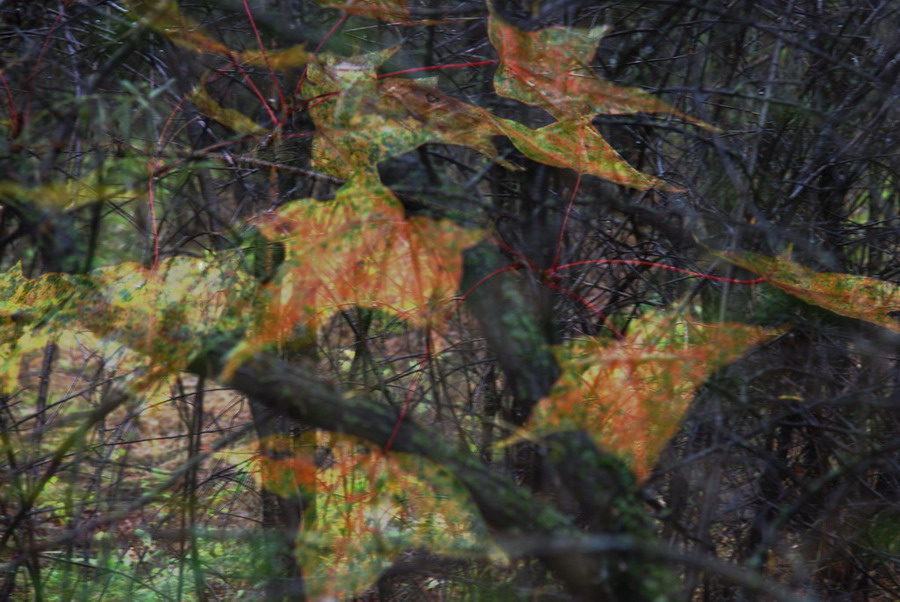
630,396
360,250
551,68
363,120
385,10
370,507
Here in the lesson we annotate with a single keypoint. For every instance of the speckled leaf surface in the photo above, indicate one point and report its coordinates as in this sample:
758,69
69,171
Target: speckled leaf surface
371,508
360,250
551,68
870,299
630,396
384,10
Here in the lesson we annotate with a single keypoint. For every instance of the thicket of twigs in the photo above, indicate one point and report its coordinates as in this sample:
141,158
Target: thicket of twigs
783,478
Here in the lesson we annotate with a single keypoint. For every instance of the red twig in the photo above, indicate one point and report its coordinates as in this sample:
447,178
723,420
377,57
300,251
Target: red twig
328,35
466,294
548,280
262,49
562,230
153,228
14,118
433,67
255,90
525,259
159,141
155,171
407,401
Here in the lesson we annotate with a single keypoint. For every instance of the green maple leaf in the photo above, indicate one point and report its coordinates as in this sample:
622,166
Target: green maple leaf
362,120
32,313
163,314
66,194
166,312
234,120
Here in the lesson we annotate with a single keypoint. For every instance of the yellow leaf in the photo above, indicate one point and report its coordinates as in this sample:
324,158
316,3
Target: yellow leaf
64,195
859,297
235,120
372,507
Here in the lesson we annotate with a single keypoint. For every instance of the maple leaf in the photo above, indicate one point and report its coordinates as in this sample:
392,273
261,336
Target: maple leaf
359,249
29,300
551,68
63,195
31,313
234,120
162,313
372,507
166,312
630,396
385,10
281,469
166,18
363,120
577,145
858,297
368,120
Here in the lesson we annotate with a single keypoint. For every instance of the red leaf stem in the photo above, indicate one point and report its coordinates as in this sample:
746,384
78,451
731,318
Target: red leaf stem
465,295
